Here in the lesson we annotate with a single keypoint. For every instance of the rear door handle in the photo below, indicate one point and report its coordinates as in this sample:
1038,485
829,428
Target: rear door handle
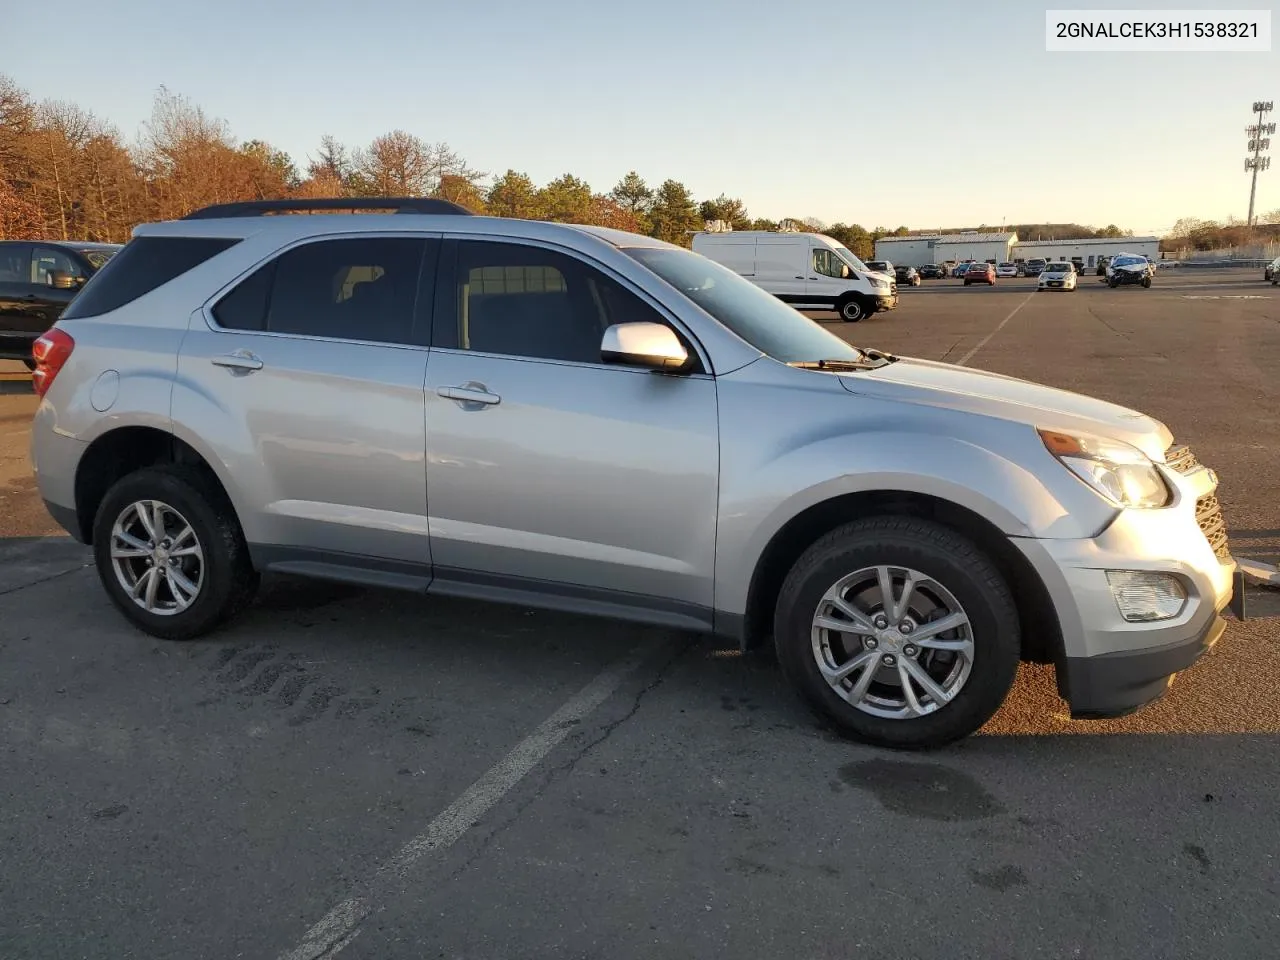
241,361
470,393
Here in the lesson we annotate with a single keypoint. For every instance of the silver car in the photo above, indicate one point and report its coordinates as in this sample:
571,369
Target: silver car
595,421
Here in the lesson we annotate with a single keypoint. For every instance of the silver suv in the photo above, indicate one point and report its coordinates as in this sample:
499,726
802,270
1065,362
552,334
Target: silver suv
595,421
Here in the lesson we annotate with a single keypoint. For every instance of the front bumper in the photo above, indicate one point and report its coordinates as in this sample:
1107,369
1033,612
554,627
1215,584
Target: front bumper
1109,666
887,302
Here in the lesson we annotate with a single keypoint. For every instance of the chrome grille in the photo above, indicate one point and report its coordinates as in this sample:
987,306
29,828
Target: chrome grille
1179,458
1209,517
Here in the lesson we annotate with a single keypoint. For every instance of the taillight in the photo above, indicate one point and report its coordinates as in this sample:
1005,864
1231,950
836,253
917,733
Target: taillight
50,352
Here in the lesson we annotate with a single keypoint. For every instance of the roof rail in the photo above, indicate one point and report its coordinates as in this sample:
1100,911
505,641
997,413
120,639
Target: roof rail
258,208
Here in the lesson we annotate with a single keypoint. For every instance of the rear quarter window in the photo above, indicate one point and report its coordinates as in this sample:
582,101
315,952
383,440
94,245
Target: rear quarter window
143,265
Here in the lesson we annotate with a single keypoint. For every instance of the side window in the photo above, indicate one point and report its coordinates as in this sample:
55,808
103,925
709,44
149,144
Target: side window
15,263
526,301
352,289
245,307
46,261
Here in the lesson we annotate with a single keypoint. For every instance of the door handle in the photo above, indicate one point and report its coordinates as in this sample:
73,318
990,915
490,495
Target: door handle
799,278
239,362
470,393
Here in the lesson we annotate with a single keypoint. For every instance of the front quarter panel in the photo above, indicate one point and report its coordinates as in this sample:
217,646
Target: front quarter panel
791,439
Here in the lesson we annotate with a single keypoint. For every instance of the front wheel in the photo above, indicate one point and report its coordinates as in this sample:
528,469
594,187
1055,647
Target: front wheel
1146,281
899,632
1113,284
170,552
852,310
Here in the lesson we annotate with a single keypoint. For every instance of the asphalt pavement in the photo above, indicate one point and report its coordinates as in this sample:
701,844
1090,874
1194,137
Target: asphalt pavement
345,772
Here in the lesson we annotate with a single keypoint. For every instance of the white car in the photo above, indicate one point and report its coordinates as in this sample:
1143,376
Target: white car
1007,270
1060,275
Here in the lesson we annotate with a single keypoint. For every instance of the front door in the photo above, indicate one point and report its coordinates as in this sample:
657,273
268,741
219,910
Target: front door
18,318
318,375
825,280
548,470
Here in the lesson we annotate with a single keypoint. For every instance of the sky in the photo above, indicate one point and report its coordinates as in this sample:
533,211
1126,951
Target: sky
924,114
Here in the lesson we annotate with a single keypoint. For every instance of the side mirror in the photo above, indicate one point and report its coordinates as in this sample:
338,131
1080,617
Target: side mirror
62,281
649,345
844,271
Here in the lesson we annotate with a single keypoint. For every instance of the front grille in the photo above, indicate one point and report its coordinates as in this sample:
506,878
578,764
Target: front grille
1214,528
1180,459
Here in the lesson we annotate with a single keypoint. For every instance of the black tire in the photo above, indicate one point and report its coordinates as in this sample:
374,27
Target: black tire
1113,284
956,563
230,581
852,310
1146,282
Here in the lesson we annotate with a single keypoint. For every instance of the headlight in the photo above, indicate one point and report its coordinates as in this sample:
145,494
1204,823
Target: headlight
1120,472
877,282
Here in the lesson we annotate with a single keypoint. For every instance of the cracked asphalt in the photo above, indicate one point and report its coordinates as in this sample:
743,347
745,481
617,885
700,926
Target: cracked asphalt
223,798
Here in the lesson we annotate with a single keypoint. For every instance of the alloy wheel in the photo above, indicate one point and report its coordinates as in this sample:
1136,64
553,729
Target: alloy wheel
157,557
892,642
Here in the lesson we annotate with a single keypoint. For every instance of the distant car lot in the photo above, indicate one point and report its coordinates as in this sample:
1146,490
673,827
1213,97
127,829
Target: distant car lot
223,797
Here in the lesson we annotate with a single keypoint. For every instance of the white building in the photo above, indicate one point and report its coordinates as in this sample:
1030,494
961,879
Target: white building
940,248
1087,250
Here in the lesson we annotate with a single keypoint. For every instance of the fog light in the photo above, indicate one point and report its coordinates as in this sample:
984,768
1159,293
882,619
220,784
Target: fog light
1143,596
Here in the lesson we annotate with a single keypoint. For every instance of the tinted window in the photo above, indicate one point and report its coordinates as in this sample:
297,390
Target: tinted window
46,261
352,289
245,307
526,301
15,263
143,265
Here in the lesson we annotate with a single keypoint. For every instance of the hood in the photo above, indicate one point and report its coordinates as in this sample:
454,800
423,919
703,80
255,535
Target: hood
1008,398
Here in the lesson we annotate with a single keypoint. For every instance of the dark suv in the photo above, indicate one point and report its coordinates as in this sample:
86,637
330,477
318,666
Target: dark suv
38,278
907,275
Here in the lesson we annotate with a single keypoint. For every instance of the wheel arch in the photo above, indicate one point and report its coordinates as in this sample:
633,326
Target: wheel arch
1038,618
122,451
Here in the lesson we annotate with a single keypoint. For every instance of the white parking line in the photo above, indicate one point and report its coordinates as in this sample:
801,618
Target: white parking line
341,924
983,342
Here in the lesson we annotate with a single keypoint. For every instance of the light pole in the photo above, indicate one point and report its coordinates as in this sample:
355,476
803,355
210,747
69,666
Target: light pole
1259,142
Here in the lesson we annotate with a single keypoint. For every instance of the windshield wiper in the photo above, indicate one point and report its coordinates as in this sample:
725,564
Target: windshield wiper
837,364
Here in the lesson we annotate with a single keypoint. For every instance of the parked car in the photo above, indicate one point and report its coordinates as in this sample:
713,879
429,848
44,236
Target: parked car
882,266
1272,272
1059,275
810,271
1102,266
1078,263
980,273
38,278
1033,266
613,425
961,269
933,271
907,275
1006,270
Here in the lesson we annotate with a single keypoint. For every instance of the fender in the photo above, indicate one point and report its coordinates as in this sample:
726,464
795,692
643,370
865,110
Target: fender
904,461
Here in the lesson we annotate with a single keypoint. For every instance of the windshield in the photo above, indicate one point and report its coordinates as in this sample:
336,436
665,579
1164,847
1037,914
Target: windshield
849,257
1058,268
1129,261
1009,265
759,318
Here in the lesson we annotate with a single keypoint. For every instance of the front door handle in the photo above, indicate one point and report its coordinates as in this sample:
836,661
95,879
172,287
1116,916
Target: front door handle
470,393
239,362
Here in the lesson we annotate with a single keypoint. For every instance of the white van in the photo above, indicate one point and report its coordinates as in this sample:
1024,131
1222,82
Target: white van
807,270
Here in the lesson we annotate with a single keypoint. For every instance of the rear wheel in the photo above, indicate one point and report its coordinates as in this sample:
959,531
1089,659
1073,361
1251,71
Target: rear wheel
852,310
170,553
899,632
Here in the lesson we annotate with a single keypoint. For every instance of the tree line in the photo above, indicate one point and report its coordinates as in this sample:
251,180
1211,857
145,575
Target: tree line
67,174
1192,234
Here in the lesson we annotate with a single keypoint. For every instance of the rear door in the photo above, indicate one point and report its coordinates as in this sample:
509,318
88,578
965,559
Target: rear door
16,300
316,367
